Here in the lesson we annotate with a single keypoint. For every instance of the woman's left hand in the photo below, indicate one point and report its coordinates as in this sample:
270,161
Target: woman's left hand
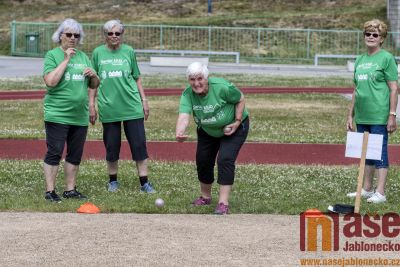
231,128
391,125
146,108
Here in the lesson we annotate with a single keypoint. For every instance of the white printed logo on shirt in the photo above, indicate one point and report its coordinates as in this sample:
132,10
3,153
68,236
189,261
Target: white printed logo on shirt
115,74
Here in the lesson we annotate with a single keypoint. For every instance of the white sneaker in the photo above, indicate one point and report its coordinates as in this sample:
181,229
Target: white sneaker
364,194
377,198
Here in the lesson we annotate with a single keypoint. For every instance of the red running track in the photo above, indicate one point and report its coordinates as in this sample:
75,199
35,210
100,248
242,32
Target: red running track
38,94
258,153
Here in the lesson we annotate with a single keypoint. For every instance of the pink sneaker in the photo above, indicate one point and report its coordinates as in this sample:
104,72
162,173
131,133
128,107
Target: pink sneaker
221,209
201,201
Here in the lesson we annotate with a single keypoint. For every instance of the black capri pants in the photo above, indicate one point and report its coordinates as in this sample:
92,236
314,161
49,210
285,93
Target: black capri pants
57,135
135,134
227,148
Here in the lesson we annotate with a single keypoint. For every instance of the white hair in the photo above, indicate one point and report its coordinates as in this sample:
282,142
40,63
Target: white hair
70,24
195,69
111,24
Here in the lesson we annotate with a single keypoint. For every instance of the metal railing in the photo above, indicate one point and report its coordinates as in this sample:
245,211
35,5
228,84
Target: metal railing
189,52
255,45
318,56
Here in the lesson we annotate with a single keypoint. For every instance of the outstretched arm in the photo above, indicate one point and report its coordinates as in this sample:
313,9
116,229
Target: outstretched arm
181,125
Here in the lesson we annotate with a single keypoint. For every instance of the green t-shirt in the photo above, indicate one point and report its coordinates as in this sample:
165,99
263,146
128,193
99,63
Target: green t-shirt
215,110
67,102
118,94
372,96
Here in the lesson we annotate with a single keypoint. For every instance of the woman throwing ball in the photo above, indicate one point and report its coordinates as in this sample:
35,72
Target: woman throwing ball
218,108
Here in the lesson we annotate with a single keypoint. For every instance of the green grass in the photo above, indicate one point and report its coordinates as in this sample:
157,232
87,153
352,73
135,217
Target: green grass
258,189
281,118
179,81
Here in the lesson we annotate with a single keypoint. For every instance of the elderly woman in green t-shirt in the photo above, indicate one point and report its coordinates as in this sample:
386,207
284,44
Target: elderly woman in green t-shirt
121,101
67,74
218,108
374,103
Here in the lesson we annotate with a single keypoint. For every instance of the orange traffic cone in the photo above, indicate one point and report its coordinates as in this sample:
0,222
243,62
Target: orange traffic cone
88,208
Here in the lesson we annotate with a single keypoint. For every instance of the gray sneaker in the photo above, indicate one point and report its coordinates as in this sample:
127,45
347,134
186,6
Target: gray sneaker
113,186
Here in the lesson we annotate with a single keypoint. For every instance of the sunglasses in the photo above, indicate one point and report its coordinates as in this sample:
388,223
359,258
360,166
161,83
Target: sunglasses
368,34
113,33
69,35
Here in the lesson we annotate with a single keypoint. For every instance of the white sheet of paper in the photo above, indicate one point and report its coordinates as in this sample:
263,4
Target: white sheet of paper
354,145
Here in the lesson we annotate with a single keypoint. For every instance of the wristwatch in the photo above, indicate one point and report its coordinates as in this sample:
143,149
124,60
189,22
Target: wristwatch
393,113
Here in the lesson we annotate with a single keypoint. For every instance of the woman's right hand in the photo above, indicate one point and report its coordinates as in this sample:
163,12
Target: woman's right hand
181,137
349,124
70,52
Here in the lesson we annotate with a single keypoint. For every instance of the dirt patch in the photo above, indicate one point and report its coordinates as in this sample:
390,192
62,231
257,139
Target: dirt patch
70,239
61,239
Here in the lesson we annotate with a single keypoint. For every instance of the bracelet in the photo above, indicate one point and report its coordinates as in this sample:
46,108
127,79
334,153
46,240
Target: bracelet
144,99
239,120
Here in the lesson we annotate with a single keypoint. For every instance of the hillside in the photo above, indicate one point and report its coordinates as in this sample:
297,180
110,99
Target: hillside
317,14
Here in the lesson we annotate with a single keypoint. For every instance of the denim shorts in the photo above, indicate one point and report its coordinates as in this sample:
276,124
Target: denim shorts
377,129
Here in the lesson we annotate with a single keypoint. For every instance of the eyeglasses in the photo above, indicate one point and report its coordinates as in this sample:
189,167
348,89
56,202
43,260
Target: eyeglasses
113,33
69,35
368,34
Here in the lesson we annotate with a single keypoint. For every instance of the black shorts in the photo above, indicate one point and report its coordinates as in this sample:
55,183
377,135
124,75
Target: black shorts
57,135
226,147
135,134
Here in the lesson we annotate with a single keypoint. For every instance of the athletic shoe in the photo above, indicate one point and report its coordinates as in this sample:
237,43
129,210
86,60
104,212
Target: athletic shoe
73,194
377,198
147,188
221,209
201,201
113,186
364,194
52,196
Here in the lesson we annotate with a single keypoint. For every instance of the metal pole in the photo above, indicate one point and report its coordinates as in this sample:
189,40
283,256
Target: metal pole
308,43
258,42
161,37
209,38
13,37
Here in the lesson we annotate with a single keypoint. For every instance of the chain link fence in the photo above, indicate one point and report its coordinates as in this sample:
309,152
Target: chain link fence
255,45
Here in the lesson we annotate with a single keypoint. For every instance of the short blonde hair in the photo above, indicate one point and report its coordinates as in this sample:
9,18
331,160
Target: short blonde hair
376,25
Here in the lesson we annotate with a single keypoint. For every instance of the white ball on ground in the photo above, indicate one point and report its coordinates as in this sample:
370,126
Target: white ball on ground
159,202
